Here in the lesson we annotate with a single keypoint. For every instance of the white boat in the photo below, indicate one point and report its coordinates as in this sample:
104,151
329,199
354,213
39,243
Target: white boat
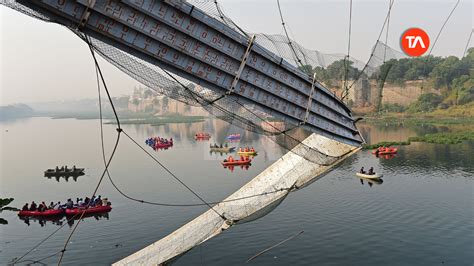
374,176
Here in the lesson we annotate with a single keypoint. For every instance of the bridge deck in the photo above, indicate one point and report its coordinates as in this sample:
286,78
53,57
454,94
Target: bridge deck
185,41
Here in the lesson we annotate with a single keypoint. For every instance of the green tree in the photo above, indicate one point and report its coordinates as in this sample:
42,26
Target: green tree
4,207
426,103
336,70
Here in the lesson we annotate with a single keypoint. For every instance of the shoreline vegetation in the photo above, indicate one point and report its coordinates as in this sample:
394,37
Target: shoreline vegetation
128,118
435,138
161,120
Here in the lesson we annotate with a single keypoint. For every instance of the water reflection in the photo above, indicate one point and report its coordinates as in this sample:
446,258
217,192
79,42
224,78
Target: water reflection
371,181
58,178
59,220
243,167
331,210
386,156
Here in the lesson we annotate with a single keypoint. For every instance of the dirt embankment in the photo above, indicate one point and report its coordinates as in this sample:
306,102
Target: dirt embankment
403,95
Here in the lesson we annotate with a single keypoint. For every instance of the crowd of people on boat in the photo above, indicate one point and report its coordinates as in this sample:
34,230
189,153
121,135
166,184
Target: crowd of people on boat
231,159
65,169
157,141
246,149
370,172
69,204
216,146
202,135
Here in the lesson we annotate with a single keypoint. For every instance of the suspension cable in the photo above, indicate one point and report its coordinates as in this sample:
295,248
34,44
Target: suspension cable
375,46
467,44
347,58
387,30
18,260
436,40
442,27
119,131
298,61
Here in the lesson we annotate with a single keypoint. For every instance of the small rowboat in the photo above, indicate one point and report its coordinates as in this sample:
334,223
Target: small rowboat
223,149
237,162
163,145
64,172
233,137
41,214
385,150
247,153
98,209
374,176
202,136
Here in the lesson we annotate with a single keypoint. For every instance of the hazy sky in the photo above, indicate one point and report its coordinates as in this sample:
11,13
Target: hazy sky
43,61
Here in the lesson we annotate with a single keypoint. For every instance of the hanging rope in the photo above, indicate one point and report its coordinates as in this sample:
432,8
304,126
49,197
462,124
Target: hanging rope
436,41
19,260
387,30
442,27
467,44
297,60
347,58
119,130
375,46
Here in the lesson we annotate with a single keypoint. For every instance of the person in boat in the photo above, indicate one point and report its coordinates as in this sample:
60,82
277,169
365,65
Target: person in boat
252,149
240,149
57,206
371,171
65,169
362,171
98,201
220,146
105,202
92,202
25,207
226,145
42,207
74,168
33,206
57,168
87,201
51,206
80,203
70,203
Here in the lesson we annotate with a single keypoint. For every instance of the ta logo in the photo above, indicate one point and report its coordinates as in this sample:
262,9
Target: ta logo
415,42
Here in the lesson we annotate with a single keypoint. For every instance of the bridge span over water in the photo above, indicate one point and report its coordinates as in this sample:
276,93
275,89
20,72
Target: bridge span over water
229,66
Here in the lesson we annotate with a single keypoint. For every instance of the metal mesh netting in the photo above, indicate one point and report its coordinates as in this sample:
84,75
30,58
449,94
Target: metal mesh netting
235,110
269,188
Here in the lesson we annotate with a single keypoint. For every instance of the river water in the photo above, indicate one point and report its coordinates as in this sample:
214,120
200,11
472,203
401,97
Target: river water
422,213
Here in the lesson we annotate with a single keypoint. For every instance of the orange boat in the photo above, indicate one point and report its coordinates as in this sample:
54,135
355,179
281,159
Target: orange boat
385,150
202,136
232,161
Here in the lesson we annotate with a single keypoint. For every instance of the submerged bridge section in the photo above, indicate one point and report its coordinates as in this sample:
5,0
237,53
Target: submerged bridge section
185,41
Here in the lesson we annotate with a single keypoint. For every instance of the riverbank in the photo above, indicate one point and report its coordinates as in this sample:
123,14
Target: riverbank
461,114
436,138
128,117
161,120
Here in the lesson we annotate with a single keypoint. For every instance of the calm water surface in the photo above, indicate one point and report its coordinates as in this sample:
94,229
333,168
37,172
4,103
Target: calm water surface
422,213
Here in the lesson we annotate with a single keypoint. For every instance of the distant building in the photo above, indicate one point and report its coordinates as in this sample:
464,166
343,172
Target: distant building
146,100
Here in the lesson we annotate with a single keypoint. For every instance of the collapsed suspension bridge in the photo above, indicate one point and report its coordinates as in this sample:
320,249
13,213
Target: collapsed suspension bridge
179,50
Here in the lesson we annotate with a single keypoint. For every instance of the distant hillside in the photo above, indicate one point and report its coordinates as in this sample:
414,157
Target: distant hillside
15,111
416,85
